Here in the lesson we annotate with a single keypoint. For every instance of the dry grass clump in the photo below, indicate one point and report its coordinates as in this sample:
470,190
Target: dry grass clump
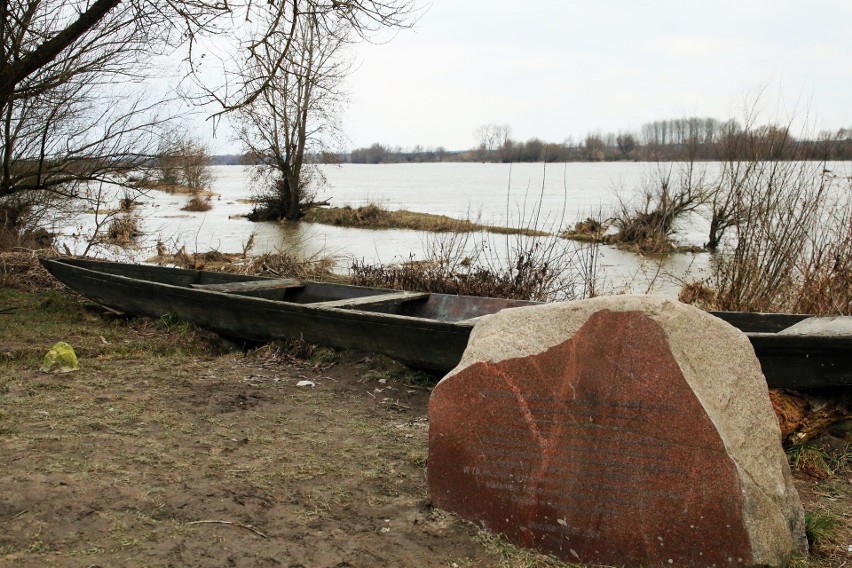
426,277
282,264
123,229
22,271
524,281
374,216
16,230
210,260
589,231
644,232
198,204
699,295
126,203
537,269
295,352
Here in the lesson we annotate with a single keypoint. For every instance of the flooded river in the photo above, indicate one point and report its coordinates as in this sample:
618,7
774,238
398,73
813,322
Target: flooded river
548,197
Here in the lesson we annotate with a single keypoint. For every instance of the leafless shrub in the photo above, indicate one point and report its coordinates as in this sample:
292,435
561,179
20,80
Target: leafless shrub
647,225
126,203
123,229
790,222
182,164
198,203
283,264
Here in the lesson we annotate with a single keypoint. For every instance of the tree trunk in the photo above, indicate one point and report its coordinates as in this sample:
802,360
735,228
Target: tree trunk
292,211
714,236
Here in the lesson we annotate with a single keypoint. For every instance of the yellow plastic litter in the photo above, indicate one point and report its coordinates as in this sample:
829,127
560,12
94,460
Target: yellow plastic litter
60,359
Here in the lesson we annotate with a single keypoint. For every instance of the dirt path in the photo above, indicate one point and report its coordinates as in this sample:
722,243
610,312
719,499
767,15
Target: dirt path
194,461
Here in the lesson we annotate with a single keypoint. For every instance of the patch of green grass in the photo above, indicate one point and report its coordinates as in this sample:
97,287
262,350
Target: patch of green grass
821,529
323,356
43,318
809,455
406,377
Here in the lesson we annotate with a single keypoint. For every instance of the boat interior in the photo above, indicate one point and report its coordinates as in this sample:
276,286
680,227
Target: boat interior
442,307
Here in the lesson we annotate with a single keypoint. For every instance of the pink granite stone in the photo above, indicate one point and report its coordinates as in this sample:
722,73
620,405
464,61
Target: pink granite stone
596,451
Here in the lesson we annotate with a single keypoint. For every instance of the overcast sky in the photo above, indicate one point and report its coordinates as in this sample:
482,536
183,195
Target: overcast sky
562,68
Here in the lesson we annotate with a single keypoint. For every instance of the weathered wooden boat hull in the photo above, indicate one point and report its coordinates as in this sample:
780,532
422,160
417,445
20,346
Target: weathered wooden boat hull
795,361
157,291
422,330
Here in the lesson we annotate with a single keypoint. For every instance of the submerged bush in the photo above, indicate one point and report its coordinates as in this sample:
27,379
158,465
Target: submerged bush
197,203
790,249
123,229
647,226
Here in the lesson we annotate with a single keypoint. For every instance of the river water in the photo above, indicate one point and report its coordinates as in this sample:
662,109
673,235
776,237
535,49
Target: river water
549,197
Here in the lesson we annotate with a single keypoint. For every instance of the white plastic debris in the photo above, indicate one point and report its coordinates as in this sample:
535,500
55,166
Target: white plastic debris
306,384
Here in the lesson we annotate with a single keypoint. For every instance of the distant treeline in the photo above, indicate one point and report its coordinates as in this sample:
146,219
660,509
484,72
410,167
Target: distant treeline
663,140
227,160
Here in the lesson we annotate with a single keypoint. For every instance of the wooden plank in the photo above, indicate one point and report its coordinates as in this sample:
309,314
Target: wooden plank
804,362
393,297
251,285
760,322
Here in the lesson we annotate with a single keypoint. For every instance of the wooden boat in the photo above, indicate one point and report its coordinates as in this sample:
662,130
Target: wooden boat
423,330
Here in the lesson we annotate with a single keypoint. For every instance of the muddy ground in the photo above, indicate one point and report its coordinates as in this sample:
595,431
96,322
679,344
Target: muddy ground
166,449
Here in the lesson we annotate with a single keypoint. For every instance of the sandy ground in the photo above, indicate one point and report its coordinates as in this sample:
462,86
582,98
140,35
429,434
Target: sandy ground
166,450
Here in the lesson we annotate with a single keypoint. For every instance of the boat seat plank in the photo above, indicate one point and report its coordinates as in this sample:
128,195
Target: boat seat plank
390,298
252,285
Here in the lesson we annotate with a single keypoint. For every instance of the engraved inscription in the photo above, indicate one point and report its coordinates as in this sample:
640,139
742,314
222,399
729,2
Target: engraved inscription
607,436
588,448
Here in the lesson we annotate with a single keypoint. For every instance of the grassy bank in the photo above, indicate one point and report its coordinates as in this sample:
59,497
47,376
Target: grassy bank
373,216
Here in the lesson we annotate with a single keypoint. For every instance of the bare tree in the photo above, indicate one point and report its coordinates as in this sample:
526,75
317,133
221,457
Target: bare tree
67,68
493,138
295,111
71,107
271,30
626,143
594,148
183,163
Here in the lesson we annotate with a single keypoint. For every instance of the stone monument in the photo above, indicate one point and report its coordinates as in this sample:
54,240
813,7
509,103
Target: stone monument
626,430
